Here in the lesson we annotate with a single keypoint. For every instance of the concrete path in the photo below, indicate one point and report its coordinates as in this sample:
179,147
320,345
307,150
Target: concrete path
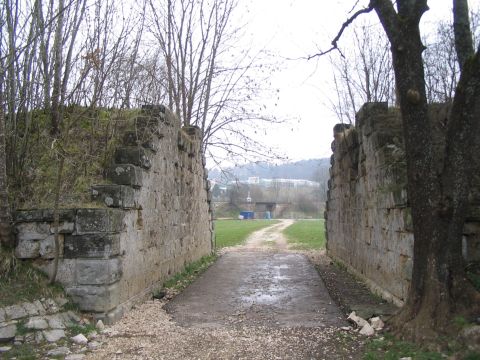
258,288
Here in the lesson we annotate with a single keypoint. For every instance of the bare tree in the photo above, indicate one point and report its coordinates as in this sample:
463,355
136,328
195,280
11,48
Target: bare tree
363,73
206,87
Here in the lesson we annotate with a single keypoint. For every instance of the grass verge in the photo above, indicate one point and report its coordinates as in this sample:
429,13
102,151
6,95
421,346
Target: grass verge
306,235
388,347
181,280
235,232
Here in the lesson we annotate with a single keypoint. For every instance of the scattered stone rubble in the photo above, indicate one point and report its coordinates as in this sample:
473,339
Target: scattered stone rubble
47,325
363,326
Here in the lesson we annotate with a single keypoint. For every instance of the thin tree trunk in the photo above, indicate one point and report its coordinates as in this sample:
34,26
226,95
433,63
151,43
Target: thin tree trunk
6,238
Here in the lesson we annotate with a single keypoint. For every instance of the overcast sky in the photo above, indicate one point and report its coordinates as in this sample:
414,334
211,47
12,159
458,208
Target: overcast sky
294,29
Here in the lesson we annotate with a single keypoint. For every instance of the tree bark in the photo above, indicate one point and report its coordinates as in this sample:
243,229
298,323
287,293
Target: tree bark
461,29
438,201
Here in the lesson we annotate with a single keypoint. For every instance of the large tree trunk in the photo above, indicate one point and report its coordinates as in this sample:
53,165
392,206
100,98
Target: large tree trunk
437,186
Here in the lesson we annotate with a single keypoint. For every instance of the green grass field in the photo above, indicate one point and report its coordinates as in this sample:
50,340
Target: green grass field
306,234
234,232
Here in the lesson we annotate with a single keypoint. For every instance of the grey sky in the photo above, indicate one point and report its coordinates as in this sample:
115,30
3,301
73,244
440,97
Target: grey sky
293,29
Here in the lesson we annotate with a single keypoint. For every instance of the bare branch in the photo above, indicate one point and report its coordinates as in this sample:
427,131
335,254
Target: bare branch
342,29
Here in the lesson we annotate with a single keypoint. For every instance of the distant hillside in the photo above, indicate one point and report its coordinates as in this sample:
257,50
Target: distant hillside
312,169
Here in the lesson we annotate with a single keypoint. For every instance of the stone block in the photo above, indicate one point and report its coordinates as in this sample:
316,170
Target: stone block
101,245
97,272
28,215
15,312
99,221
134,155
64,215
27,249
101,298
116,196
37,323
32,231
126,174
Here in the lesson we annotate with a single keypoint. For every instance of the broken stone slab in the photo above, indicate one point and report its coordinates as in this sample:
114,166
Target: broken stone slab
39,306
367,330
37,323
126,174
30,308
357,320
56,321
15,312
7,332
377,323
53,335
120,196
5,349
101,245
134,155
99,221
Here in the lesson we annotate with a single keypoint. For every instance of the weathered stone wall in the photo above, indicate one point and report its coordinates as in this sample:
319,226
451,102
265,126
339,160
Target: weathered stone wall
152,220
369,225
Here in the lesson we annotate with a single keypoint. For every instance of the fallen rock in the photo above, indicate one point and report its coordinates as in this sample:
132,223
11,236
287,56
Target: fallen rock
100,325
5,348
53,335
405,358
15,312
80,339
7,333
94,345
367,330
346,328
377,323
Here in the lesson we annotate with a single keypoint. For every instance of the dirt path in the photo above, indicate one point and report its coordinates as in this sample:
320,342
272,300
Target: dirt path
250,304
270,237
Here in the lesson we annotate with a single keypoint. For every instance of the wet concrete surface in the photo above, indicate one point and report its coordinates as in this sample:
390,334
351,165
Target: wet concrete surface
278,289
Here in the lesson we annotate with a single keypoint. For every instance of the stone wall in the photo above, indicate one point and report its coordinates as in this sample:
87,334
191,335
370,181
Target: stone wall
152,219
368,221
